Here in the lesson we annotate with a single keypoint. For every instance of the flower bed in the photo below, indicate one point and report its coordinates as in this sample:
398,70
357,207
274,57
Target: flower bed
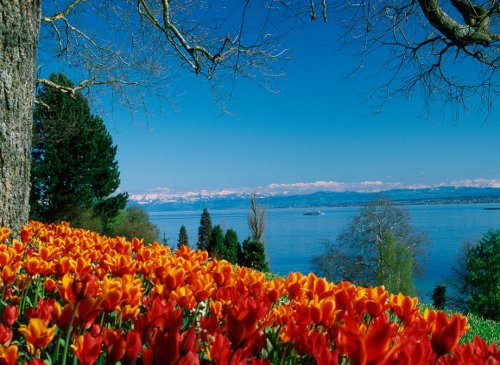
69,293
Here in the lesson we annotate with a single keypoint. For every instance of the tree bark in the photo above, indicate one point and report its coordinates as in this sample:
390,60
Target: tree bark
19,29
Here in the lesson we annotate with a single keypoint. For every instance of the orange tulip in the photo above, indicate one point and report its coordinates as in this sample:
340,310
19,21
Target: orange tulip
50,285
318,288
294,284
375,302
8,354
37,334
62,315
26,233
275,289
323,311
184,297
405,307
35,265
131,290
174,278
203,287
215,309
111,293
63,265
121,265
4,233
221,272
128,312
5,257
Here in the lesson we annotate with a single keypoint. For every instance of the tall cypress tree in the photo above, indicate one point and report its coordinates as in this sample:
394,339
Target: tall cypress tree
74,170
204,230
183,237
216,247
232,246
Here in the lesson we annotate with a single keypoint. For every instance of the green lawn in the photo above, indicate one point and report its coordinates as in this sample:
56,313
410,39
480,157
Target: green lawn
485,328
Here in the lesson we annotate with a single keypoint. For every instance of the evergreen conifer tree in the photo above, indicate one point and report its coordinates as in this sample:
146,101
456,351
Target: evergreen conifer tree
183,237
253,255
204,230
74,170
439,297
216,247
482,276
232,246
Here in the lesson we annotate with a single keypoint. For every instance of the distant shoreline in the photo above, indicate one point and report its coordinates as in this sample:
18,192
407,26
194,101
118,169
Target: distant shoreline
441,201
322,199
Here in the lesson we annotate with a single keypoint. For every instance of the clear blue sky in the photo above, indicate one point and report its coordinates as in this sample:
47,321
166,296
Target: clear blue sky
313,129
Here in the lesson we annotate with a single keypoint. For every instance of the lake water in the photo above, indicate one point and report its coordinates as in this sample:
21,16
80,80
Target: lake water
292,238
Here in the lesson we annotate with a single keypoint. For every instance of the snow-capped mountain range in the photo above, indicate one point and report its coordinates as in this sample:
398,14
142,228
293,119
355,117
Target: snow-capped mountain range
320,193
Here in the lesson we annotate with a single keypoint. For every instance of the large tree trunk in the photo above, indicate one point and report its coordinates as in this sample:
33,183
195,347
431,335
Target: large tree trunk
19,28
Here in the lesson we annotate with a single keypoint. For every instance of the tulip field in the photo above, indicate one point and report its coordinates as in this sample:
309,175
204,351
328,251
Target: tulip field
73,296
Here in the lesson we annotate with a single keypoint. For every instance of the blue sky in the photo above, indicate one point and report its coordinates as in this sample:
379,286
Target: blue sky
313,129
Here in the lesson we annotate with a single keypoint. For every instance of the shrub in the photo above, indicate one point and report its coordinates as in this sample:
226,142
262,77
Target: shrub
479,277
134,222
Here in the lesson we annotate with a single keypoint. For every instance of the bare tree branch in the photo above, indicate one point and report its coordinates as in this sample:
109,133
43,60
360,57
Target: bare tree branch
446,50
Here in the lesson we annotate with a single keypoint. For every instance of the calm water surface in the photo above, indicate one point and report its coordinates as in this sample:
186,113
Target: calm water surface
293,239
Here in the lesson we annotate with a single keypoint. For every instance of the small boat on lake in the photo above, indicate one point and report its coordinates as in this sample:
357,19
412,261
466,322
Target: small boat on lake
317,212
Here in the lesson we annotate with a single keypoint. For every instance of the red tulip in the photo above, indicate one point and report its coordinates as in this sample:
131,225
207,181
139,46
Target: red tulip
10,314
133,346
445,331
115,345
243,316
5,335
87,348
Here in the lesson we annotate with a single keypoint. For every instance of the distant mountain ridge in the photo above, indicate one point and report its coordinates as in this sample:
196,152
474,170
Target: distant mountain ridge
228,200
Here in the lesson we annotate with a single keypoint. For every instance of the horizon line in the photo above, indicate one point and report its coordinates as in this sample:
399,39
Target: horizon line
303,188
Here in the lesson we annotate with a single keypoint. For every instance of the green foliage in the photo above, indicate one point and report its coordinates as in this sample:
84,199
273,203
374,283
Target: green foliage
232,246
378,247
74,171
485,328
224,247
395,269
439,297
134,222
253,255
216,247
482,276
204,231
183,237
